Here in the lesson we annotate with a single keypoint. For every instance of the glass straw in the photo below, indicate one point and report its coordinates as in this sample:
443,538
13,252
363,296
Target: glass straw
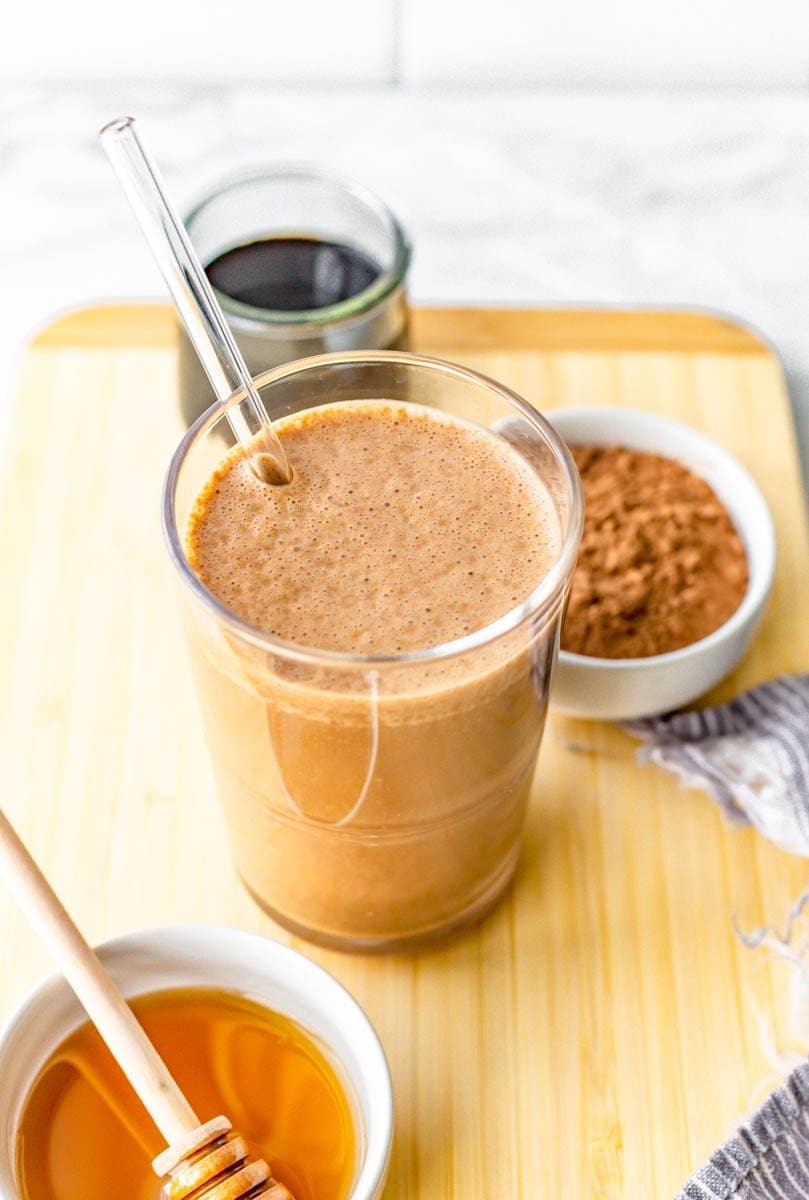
194,299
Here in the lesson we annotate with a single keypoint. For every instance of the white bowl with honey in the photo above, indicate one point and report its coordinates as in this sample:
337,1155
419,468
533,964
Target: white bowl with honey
612,672
245,1024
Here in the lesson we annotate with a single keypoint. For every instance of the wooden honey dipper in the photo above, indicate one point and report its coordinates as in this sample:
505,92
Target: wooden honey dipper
203,1161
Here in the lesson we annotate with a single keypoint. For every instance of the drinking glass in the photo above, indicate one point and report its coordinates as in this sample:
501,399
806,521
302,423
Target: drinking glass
376,801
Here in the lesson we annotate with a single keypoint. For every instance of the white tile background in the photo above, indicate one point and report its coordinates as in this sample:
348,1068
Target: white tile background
329,41
490,42
607,41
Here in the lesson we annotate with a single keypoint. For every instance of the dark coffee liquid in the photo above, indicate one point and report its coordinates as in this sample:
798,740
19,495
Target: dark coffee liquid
292,274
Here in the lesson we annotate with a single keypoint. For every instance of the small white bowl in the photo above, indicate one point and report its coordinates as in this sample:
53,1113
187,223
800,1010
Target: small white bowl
212,956
625,689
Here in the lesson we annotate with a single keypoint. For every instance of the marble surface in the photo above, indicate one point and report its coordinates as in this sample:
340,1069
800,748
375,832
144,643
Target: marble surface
511,196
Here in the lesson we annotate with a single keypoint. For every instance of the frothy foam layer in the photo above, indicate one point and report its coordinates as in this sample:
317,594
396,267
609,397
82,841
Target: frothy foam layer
401,529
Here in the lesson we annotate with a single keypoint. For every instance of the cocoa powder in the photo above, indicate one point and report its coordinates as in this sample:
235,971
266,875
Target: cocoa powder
660,565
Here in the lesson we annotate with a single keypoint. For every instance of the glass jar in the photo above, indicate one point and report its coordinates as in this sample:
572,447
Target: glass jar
308,204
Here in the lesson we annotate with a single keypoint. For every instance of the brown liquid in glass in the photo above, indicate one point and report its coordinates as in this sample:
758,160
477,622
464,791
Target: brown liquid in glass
292,274
85,1136
403,528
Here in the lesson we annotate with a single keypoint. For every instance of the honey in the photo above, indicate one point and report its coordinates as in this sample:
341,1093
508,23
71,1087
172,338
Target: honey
85,1136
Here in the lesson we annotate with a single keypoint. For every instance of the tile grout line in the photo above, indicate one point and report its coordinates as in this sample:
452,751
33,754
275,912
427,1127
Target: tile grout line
397,30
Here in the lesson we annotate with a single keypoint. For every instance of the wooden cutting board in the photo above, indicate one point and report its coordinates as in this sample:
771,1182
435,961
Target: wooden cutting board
602,1031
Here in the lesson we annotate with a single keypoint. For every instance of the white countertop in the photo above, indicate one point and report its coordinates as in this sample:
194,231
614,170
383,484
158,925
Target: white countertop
519,196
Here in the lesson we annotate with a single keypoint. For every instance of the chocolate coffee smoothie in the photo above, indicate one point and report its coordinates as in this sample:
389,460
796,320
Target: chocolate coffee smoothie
369,803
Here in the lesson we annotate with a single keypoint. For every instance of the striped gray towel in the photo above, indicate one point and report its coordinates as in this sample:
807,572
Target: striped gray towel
768,1157
751,755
